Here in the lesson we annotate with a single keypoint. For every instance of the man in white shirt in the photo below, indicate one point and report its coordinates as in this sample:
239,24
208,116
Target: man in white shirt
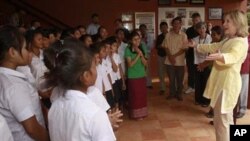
120,35
92,28
148,39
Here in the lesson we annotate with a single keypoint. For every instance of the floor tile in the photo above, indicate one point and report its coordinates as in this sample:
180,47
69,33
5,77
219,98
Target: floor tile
153,134
171,120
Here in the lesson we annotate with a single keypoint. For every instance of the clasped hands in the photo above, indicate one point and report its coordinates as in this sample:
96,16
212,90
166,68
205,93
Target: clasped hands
115,118
171,59
139,52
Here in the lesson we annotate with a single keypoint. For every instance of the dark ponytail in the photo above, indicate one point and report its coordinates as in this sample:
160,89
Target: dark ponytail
70,63
50,54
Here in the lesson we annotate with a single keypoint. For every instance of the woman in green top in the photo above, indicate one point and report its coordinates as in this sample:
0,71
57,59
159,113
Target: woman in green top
135,55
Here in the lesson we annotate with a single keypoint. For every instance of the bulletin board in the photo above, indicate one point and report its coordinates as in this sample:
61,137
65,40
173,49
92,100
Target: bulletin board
147,18
128,20
168,13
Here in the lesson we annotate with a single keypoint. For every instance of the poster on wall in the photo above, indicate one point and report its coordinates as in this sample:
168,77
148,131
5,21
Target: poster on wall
147,18
182,13
215,13
128,21
167,14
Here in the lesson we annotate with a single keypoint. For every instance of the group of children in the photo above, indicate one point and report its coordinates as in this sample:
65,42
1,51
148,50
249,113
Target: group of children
45,74
110,77
57,84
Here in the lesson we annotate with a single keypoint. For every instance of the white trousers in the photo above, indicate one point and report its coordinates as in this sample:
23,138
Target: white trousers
222,122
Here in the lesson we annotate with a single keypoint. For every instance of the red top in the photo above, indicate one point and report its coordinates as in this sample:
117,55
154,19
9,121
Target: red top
245,66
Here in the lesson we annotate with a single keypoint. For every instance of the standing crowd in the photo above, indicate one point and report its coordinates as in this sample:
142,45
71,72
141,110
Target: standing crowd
75,84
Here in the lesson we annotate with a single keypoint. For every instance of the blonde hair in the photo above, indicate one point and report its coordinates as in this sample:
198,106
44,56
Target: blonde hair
240,21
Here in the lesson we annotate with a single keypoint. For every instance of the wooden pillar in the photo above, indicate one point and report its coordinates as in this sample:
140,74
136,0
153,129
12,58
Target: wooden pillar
248,104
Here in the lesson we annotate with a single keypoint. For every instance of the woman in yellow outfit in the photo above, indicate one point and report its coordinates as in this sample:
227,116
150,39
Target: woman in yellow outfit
224,83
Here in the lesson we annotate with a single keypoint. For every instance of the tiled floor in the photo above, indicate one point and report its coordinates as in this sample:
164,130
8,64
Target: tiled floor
171,120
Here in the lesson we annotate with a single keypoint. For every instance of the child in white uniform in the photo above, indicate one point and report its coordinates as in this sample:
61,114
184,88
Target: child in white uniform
37,67
19,101
35,45
117,72
75,72
5,133
105,72
99,79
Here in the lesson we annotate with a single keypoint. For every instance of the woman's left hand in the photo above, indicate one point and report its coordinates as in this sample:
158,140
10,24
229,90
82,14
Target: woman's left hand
214,56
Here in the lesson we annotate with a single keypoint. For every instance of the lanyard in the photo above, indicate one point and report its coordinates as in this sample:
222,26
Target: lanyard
203,40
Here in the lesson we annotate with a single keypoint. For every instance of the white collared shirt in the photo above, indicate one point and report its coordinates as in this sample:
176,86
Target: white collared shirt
200,57
38,69
97,97
5,133
92,28
149,42
56,93
19,101
121,51
108,66
117,61
99,78
27,72
75,117
93,94
106,82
